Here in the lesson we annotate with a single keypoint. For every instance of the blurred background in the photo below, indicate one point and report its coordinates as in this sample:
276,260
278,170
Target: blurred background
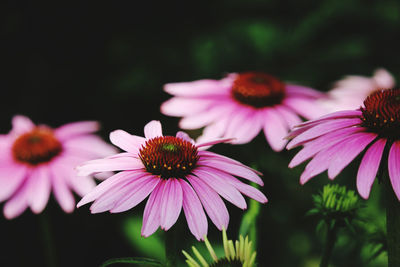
108,61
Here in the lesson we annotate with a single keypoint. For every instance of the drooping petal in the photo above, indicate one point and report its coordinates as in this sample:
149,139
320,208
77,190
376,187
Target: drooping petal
61,191
39,189
126,141
152,129
244,126
313,147
171,203
107,184
136,195
321,129
291,118
227,191
305,107
11,177
275,129
73,129
211,201
194,213
369,167
109,164
17,203
152,210
349,150
234,169
21,124
394,167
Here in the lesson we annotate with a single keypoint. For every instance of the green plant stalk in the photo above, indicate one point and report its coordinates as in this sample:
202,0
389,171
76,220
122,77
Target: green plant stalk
49,248
171,247
392,225
330,243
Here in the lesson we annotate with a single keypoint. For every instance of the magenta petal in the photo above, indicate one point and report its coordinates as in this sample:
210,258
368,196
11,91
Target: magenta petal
90,145
76,128
151,214
126,141
214,142
318,144
343,114
275,129
369,167
321,129
109,164
11,177
291,118
136,195
153,129
244,126
394,167
61,191
213,130
293,89
227,191
234,169
39,189
349,150
21,124
17,203
212,203
171,203
307,108
179,106
194,213
184,136
107,184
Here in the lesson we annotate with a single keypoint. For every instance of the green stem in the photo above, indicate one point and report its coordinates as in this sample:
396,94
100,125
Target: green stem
330,243
49,251
392,225
171,247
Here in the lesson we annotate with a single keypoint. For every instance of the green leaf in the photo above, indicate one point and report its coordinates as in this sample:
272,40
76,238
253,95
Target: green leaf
133,260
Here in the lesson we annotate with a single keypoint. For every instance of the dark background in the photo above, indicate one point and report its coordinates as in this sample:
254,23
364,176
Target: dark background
107,61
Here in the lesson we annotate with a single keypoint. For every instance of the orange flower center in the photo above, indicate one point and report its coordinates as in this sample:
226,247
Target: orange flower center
258,89
382,113
36,147
169,156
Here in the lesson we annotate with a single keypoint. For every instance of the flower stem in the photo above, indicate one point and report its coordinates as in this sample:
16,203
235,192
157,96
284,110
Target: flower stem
330,243
48,240
171,247
392,225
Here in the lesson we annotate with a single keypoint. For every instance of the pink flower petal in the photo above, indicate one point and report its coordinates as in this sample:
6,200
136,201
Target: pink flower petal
194,213
349,150
313,147
234,169
17,203
293,89
171,203
38,189
73,129
288,115
227,191
153,129
151,214
394,167
110,198
369,167
244,126
305,107
109,164
108,184
211,201
343,114
21,124
61,191
11,178
126,141
199,88
321,129
383,79
89,145
213,131
214,142
179,106
275,129
136,195
184,136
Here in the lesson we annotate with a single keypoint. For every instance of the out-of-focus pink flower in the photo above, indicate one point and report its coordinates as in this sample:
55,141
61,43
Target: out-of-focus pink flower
176,175
349,93
334,140
35,160
241,105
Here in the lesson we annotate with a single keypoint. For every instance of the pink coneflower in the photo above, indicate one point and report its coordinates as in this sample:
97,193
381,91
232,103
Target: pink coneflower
241,105
334,140
37,159
350,92
176,174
